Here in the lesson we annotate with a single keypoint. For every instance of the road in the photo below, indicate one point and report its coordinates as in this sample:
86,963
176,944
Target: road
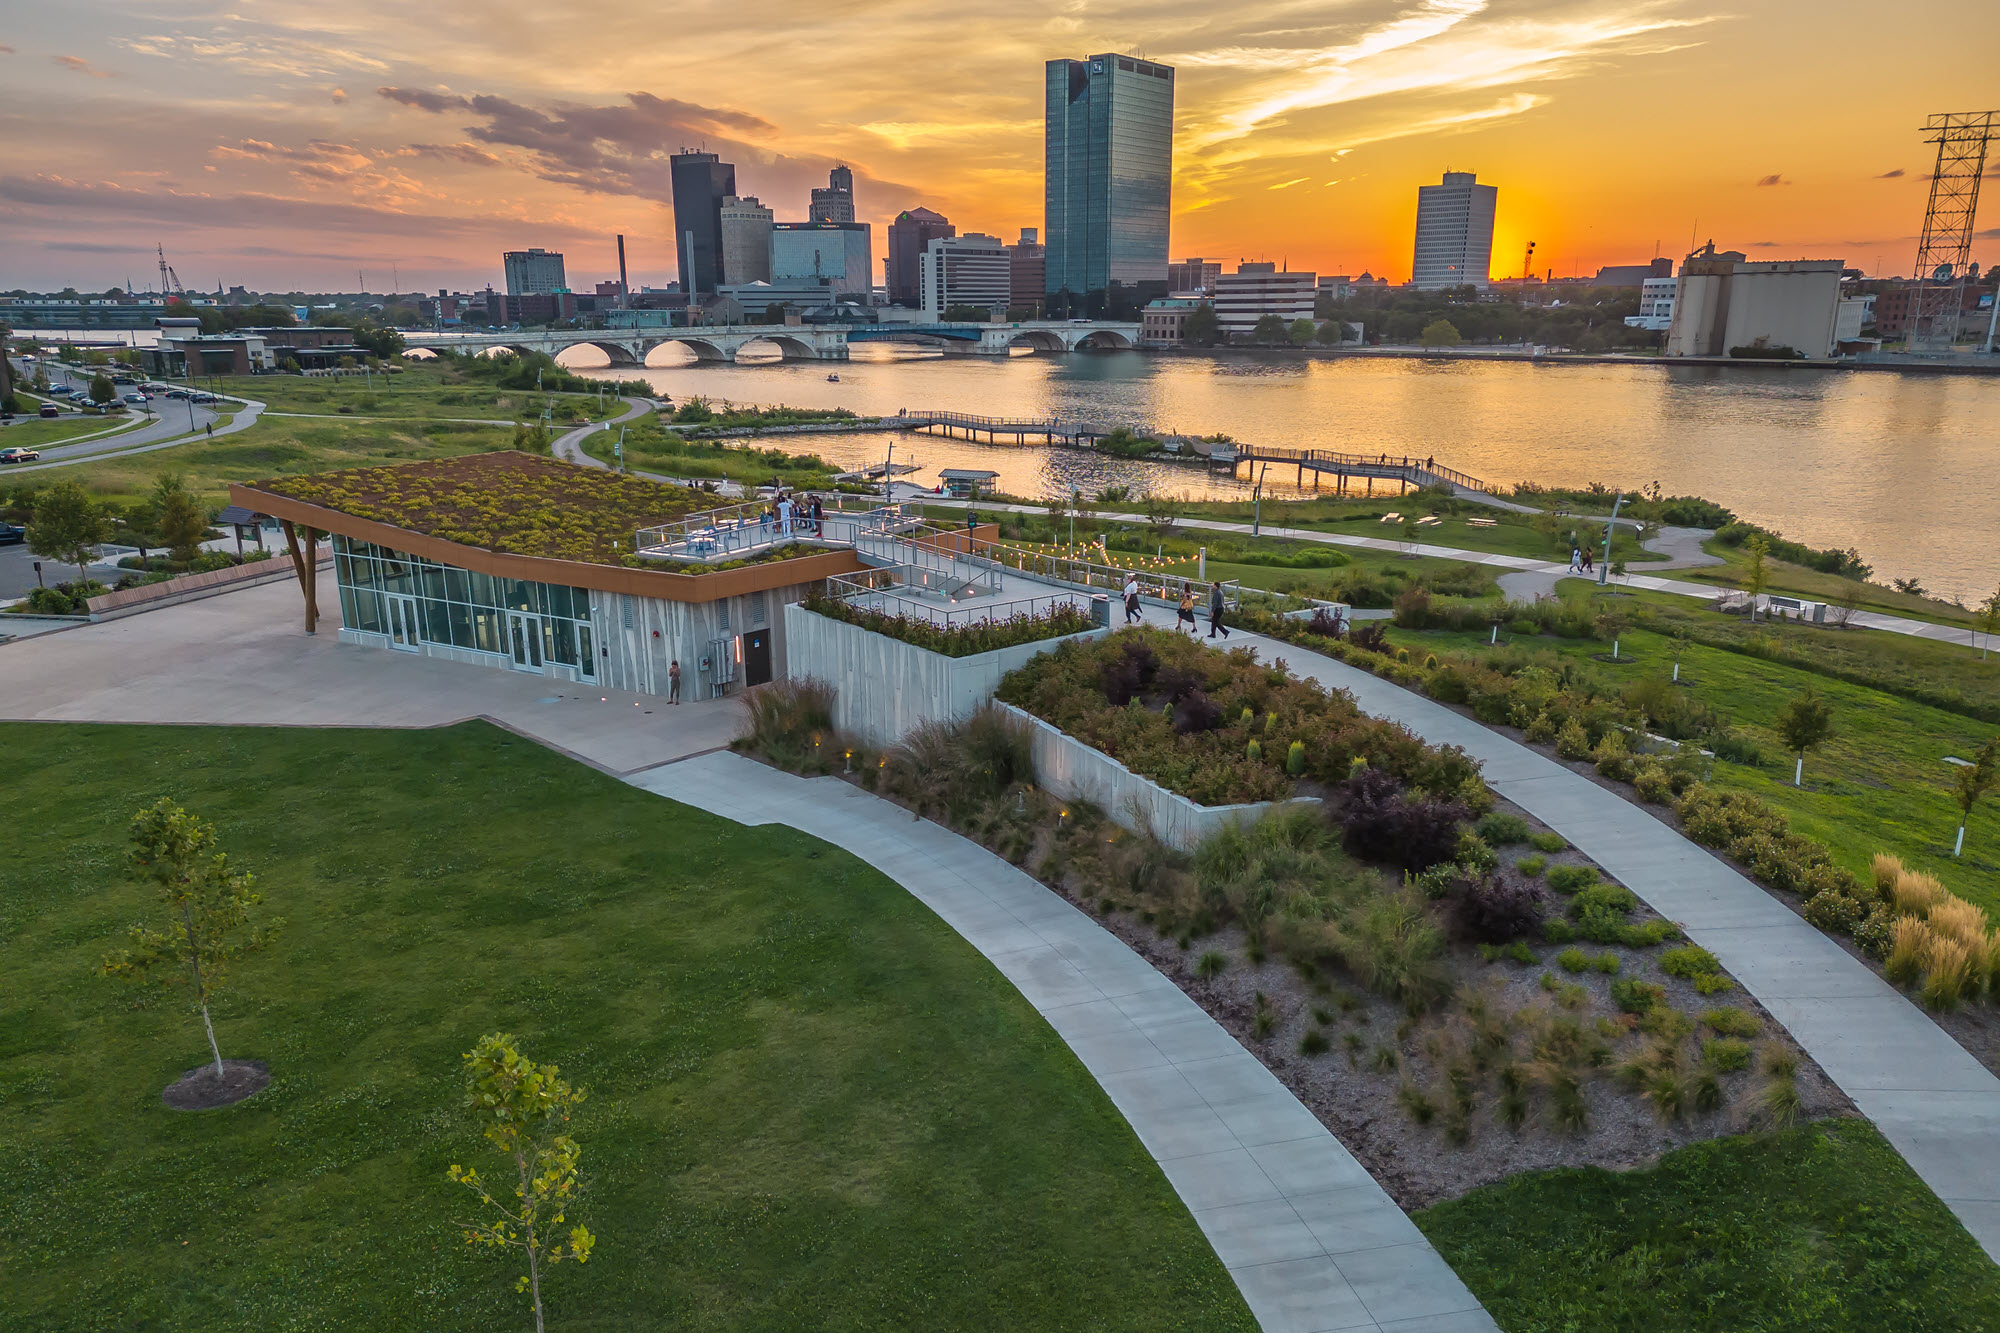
178,422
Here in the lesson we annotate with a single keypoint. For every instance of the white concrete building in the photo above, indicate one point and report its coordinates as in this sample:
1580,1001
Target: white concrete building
794,293
1656,305
1256,290
973,269
746,241
534,272
1454,233
1723,302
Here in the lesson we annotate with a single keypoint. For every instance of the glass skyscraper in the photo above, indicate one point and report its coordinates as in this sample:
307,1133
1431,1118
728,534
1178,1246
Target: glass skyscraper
1110,172
701,181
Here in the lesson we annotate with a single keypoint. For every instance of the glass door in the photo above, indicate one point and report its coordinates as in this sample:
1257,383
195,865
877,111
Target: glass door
586,651
402,619
524,639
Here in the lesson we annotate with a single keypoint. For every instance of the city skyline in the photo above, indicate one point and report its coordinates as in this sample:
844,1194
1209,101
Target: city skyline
300,154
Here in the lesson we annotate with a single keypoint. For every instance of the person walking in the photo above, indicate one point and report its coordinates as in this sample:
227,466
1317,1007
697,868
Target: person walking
674,681
1587,567
1185,616
1131,599
1575,560
1215,604
211,429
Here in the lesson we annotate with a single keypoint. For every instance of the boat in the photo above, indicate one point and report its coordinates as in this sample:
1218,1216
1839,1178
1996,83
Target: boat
833,379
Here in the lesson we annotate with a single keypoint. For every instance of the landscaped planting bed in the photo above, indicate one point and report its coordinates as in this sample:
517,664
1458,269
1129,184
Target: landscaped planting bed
957,640
1219,728
1455,1001
514,502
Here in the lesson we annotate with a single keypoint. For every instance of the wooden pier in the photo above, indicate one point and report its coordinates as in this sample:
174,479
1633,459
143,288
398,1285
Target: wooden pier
1346,469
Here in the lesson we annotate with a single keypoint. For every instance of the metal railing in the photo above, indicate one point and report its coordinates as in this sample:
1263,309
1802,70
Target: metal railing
863,592
1367,465
1090,573
970,421
744,529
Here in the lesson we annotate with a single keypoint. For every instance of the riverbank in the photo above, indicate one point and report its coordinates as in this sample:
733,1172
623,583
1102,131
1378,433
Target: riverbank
1878,361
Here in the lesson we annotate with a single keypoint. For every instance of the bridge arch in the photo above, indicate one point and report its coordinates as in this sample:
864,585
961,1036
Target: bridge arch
1040,340
619,354
703,349
790,347
1102,340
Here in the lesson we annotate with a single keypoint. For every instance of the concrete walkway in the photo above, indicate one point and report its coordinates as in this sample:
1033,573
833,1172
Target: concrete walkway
569,445
1933,1100
1921,629
1313,1242
1681,546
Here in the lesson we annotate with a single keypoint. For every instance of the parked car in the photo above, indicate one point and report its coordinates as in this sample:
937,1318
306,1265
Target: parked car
179,393
61,391
50,410
135,399
19,455
12,534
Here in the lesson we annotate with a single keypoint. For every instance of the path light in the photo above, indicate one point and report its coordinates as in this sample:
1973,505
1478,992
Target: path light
1061,815
848,766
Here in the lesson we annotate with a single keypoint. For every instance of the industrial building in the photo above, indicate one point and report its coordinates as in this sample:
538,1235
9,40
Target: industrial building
1656,305
1454,233
1107,184
1723,302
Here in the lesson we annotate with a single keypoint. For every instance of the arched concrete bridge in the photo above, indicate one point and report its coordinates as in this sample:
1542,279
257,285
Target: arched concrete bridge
631,347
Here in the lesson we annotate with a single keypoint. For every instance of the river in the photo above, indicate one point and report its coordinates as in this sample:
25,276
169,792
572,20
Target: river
1905,468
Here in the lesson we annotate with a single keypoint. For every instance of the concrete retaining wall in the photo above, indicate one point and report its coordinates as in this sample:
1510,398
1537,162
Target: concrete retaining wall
194,587
884,688
1068,768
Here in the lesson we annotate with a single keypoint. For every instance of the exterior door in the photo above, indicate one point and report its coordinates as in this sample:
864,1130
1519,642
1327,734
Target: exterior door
524,640
402,622
757,657
586,651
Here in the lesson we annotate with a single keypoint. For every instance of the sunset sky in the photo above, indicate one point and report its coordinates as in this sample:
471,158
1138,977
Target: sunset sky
288,146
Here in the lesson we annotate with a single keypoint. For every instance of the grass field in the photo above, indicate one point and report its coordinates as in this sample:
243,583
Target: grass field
1879,785
1820,1228
1799,581
32,432
280,446
1511,533
651,448
811,1104
413,392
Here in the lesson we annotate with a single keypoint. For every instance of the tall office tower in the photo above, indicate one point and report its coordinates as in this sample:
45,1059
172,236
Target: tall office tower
913,229
746,241
1454,233
701,182
1110,166
836,202
534,272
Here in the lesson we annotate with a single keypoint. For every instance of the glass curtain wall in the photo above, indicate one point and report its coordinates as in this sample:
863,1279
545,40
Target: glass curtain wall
415,601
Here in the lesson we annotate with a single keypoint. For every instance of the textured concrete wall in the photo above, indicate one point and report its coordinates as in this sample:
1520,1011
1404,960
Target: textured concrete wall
1073,771
639,636
883,687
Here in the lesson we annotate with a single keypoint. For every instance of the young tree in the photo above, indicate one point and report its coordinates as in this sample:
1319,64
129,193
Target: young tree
1440,333
1202,328
1973,782
1758,572
102,390
1989,621
1330,333
1270,329
66,525
179,517
1301,332
1805,722
523,1109
208,909
1849,601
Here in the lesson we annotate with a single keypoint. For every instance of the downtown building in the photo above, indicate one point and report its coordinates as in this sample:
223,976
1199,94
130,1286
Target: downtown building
912,231
969,270
1255,290
1029,267
840,254
1107,185
701,182
835,203
1454,233
746,241
534,272
1193,275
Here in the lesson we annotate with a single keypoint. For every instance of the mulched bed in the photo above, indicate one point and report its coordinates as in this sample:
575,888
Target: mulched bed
200,1090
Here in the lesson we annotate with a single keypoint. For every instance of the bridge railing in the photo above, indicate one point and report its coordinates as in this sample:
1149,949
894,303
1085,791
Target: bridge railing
734,531
970,421
1383,464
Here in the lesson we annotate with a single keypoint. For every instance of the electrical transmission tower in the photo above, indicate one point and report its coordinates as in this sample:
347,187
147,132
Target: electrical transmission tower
1944,255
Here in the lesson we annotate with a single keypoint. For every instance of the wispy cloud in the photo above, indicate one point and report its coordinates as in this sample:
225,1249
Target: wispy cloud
1773,179
78,65
1286,185
1891,175
338,96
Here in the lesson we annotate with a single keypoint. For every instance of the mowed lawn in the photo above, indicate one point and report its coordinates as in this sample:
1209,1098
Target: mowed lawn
811,1104
1820,1228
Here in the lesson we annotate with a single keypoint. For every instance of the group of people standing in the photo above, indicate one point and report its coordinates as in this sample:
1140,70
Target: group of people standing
785,515
1184,615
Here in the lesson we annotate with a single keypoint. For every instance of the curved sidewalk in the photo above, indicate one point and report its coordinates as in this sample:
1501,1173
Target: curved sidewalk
1314,1244
1925,1092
